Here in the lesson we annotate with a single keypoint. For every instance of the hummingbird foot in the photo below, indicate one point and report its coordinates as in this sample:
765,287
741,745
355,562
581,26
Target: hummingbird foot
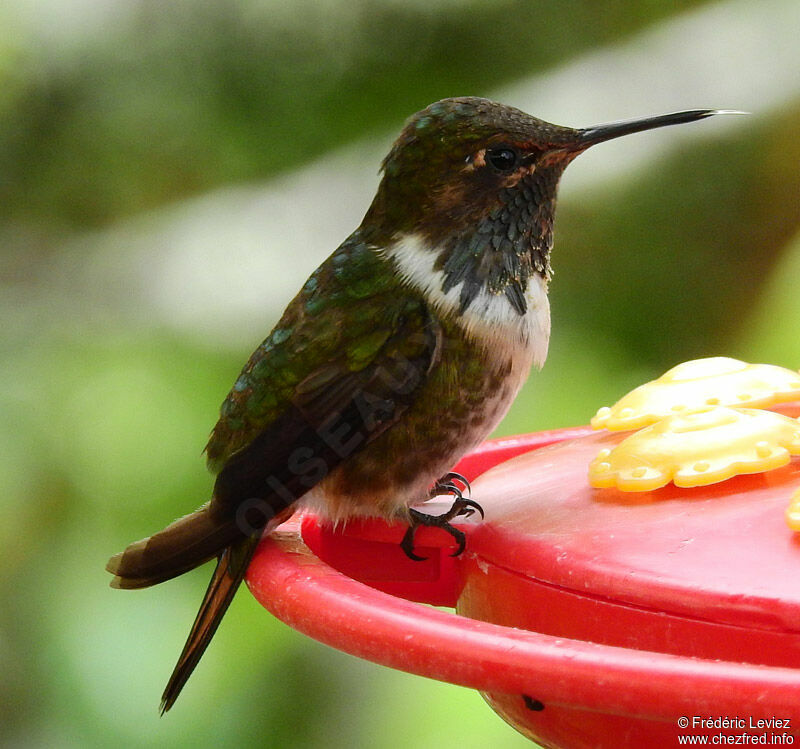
446,485
461,506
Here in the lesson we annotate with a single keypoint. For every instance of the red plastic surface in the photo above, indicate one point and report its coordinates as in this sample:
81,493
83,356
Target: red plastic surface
717,562
368,550
331,607
612,631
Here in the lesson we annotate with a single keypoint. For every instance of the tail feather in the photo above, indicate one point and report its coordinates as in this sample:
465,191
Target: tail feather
231,567
181,546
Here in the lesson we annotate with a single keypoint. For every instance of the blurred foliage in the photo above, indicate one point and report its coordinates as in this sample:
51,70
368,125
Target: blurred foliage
773,332
101,424
190,95
712,234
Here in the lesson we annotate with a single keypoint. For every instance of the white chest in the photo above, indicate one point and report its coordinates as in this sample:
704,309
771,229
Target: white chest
490,317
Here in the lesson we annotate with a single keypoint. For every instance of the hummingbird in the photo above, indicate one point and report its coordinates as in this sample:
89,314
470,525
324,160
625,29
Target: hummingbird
399,354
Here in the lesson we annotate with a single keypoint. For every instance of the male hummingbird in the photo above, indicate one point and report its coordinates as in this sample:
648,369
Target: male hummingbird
401,352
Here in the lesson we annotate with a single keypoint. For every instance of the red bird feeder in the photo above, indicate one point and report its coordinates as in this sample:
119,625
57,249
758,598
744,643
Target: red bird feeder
588,617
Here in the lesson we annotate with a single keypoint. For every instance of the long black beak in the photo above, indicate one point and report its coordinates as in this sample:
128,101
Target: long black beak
590,136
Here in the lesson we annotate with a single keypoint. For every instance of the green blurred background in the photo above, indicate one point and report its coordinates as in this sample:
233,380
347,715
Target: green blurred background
171,172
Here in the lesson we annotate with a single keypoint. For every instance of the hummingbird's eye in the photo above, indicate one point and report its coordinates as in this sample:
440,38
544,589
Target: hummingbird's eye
503,159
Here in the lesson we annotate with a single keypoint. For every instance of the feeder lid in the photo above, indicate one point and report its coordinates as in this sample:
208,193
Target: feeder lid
683,569
583,681
721,552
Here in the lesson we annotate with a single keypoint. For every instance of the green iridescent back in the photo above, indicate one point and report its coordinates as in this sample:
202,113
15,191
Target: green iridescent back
337,324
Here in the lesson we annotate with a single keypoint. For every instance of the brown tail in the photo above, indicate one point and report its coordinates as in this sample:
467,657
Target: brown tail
231,566
180,547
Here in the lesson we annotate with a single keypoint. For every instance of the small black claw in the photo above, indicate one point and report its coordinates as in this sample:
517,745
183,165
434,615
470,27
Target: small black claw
461,506
439,489
453,476
446,482
467,507
407,544
460,539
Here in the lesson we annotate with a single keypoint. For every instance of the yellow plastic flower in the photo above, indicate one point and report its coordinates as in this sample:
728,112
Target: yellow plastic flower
698,448
716,381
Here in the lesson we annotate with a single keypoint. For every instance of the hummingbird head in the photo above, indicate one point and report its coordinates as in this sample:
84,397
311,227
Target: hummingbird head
474,183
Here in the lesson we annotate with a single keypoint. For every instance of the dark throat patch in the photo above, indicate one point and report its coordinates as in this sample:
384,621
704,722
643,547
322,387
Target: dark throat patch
507,246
